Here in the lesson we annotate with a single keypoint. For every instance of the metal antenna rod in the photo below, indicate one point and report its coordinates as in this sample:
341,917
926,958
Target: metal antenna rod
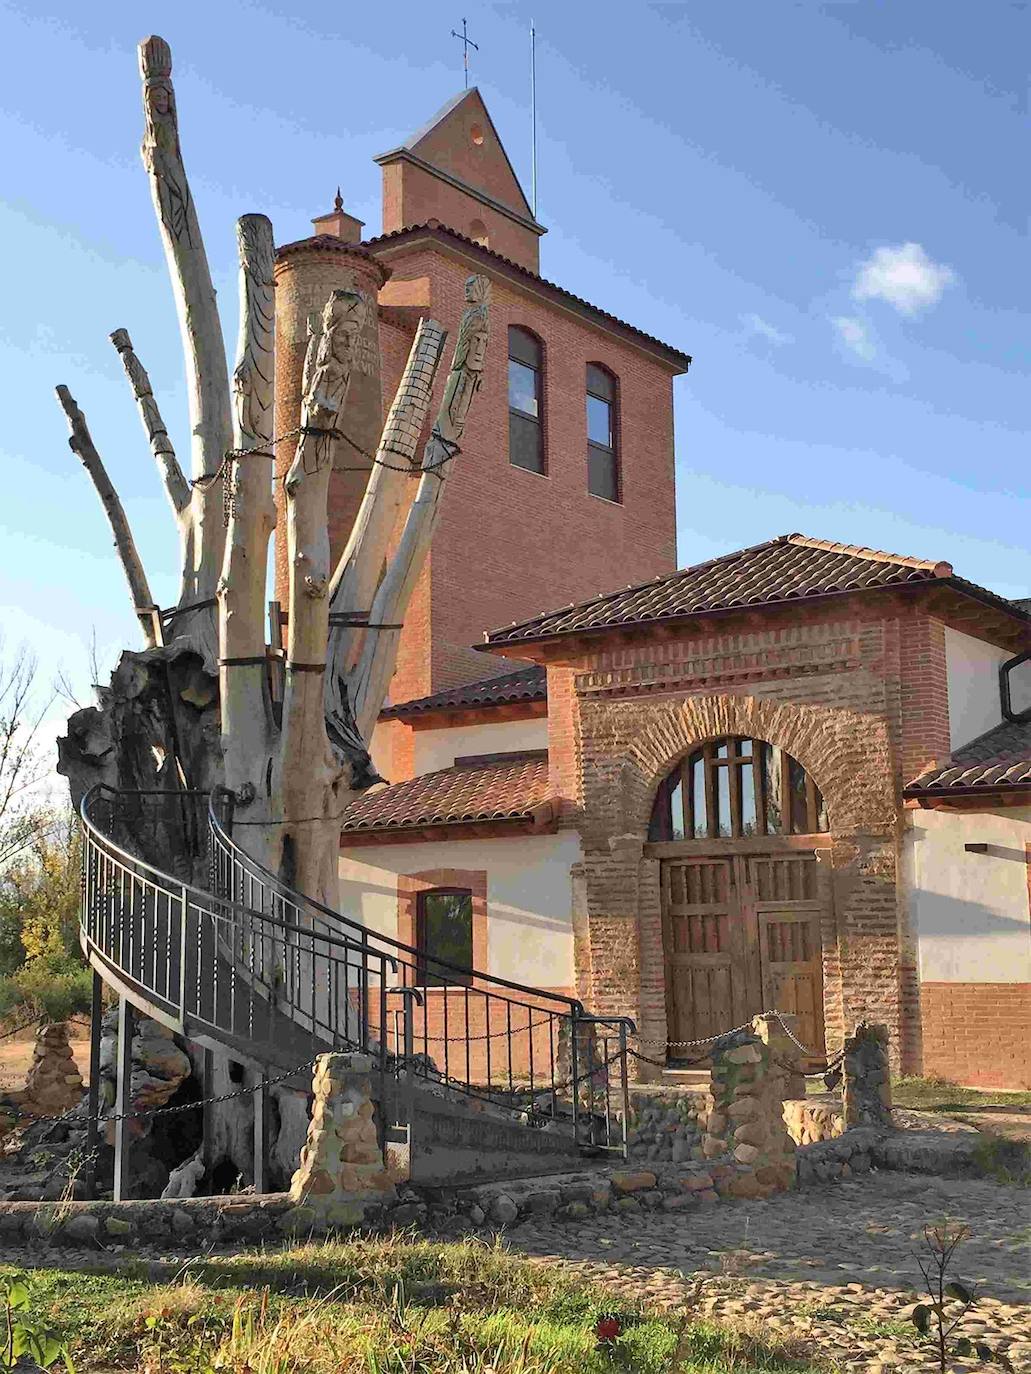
467,43
533,118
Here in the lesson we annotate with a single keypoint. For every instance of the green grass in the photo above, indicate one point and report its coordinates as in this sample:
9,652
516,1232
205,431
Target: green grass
380,1306
939,1095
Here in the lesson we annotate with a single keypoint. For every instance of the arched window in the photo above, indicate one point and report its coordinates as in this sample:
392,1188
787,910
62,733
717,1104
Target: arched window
525,400
733,787
602,438
478,233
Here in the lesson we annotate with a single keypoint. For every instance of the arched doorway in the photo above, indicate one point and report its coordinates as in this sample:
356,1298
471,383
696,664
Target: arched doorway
737,826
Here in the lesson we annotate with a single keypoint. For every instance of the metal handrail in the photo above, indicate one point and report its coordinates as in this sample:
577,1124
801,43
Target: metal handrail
208,964
222,838
327,974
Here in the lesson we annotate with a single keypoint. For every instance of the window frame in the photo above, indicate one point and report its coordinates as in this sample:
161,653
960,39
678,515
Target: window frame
423,957
612,453
540,419
725,758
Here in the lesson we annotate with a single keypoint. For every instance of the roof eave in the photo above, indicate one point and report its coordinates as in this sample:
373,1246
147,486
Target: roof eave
1011,794
909,588
393,243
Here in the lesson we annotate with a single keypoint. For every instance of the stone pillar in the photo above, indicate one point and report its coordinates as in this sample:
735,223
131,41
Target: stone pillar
306,273
53,1084
866,1093
745,1110
342,1168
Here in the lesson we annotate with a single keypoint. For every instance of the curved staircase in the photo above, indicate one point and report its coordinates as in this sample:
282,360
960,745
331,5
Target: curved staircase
478,1076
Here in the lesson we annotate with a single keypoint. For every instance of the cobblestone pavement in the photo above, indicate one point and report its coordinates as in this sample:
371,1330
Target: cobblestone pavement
833,1265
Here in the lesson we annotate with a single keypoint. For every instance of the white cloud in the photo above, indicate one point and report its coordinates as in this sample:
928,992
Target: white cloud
854,334
755,324
903,276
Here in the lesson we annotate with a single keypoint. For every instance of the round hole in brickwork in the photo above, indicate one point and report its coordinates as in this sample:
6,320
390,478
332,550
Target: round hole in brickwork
476,134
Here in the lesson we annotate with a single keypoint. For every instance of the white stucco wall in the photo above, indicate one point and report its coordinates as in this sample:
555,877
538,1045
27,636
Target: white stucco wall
439,748
529,909
970,911
972,668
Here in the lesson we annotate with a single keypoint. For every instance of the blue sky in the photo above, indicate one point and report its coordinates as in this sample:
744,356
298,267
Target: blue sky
823,203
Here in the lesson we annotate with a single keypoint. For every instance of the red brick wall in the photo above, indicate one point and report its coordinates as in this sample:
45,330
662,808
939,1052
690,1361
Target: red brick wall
511,543
977,1034
853,689
465,146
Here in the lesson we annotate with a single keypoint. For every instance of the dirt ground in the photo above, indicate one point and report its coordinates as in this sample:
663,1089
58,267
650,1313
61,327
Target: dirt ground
16,1055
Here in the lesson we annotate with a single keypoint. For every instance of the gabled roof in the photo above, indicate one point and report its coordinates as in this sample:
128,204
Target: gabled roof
996,761
397,238
420,142
497,791
528,684
790,568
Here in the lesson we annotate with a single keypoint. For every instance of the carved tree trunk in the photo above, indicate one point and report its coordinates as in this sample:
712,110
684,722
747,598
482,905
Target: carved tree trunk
193,709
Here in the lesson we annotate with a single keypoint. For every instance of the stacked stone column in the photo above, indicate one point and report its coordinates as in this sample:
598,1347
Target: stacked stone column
748,1082
53,1084
866,1093
342,1167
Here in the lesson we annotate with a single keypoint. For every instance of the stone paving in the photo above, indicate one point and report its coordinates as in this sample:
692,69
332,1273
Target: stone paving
832,1266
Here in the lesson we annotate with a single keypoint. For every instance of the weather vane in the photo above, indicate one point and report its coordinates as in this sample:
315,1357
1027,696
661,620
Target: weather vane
467,43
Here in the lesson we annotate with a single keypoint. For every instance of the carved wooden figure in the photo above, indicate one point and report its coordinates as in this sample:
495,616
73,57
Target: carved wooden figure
194,709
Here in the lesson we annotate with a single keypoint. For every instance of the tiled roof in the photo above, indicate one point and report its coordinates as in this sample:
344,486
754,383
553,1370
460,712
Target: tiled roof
489,256
999,759
492,792
528,684
786,569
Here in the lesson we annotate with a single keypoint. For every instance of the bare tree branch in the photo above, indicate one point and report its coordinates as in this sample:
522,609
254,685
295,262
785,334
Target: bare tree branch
82,445
176,485
207,374
369,681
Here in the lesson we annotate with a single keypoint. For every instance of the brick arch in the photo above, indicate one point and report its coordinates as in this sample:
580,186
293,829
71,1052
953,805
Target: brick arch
846,754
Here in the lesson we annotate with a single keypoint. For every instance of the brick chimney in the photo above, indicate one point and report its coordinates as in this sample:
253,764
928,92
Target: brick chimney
339,223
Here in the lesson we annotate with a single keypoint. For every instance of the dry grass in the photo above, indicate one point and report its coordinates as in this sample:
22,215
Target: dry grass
394,1305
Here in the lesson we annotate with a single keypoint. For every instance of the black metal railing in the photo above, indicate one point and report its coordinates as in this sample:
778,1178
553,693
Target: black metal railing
254,964
475,1032
208,965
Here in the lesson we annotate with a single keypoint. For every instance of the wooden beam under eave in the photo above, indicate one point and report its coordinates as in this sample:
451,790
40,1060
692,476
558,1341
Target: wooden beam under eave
456,830
474,715
969,800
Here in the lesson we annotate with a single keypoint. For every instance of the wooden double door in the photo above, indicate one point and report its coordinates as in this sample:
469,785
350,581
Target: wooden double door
741,935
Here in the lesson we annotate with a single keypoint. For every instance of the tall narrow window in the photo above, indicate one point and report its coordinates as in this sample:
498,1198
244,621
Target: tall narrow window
444,935
525,394
602,458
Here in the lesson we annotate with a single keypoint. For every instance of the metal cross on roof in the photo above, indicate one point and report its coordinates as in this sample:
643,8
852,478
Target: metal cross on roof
467,43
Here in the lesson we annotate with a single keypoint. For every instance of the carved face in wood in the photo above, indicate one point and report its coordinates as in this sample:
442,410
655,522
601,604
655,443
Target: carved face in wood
471,349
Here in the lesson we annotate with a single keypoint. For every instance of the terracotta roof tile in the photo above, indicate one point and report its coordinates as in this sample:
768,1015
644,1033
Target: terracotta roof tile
683,360
493,792
1000,758
789,568
528,684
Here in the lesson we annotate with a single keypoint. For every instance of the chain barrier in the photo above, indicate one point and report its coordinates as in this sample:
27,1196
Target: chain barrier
32,1021
73,1114
491,1035
224,470
711,1039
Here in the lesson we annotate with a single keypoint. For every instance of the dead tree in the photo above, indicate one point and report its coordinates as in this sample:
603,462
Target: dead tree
193,709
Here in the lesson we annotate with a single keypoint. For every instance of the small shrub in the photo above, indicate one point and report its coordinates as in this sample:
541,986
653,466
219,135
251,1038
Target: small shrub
950,1300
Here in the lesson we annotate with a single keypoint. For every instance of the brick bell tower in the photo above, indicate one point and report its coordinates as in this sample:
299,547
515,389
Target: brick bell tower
515,536
305,274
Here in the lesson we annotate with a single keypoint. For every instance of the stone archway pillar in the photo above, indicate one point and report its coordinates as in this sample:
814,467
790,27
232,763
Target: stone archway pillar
628,745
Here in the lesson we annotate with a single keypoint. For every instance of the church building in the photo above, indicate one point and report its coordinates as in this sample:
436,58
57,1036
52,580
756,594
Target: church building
796,777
